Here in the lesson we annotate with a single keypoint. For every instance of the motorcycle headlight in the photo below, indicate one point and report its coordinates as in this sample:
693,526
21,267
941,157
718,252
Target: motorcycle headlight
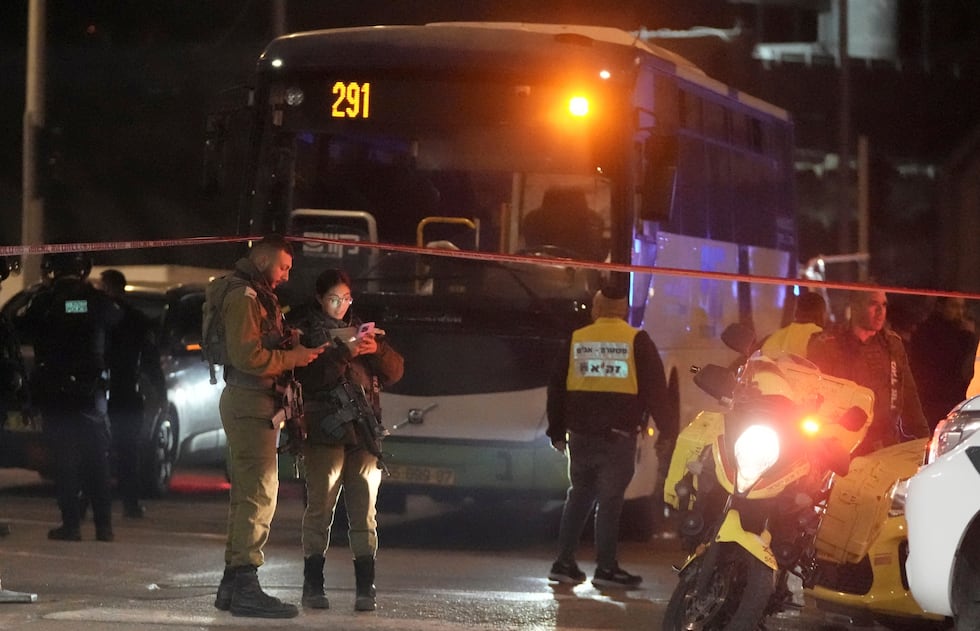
961,423
756,451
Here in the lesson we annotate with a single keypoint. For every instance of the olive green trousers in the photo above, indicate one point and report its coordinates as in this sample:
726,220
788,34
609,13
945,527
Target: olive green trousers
253,469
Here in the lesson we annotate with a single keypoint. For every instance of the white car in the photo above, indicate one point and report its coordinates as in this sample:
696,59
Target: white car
943,514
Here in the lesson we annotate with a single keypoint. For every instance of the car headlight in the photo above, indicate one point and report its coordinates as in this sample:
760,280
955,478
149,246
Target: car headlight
756,450
961,423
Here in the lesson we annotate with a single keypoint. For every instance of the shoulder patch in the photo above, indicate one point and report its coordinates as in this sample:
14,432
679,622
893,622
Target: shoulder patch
249,292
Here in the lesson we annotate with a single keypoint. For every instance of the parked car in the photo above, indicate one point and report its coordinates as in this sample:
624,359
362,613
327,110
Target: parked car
942,508
181,421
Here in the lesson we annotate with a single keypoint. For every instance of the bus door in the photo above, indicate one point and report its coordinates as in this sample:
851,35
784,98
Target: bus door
311,258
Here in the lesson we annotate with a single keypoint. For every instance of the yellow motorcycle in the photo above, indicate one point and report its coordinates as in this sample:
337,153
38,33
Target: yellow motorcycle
861,546
751,482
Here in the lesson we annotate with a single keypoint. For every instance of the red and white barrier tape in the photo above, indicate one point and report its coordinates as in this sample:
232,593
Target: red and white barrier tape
19,250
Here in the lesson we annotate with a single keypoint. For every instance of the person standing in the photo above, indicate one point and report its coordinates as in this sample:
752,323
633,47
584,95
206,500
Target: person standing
69,322
131,353
609,378
941,354
13,376
866,352
257,348
809,318
338,453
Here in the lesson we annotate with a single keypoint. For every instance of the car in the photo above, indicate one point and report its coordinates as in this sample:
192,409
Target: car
181,423
942,508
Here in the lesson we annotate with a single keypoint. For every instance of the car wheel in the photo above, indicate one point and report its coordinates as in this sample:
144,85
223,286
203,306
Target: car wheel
966,581
158,464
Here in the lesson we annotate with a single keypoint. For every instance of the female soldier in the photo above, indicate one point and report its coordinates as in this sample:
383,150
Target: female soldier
339,453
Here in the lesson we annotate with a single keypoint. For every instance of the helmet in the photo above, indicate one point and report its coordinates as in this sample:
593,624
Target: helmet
55,264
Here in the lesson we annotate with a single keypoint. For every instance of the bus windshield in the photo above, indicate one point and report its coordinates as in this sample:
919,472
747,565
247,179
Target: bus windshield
491,167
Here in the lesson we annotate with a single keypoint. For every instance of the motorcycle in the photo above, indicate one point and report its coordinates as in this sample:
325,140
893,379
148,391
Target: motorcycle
862,545
751,483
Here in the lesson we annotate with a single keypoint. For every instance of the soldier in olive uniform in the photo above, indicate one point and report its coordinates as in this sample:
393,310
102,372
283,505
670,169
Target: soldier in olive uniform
258,351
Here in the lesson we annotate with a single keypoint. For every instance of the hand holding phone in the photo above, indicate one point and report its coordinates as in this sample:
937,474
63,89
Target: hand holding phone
365,329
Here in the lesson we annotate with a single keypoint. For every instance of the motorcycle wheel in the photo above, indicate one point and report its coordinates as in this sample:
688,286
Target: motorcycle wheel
734,599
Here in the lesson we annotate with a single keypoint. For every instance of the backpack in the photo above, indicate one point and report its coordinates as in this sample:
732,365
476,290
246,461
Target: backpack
213,346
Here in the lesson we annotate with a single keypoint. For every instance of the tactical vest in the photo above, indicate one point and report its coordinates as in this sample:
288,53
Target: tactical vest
601,358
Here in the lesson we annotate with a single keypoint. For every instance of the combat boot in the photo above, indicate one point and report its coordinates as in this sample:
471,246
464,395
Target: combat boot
313,596
364,579
222,600
250,601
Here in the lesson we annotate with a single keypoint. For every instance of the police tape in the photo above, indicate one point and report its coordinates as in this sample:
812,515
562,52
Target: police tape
451,253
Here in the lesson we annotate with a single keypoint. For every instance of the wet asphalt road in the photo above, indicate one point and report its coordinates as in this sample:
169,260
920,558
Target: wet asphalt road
440,567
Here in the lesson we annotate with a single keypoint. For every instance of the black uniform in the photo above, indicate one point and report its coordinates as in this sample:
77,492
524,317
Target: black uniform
130,353
69,321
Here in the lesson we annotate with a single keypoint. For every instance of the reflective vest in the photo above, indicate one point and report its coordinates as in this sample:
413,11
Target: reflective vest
601,358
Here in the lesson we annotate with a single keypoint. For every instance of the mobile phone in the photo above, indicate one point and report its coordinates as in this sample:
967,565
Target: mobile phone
364,329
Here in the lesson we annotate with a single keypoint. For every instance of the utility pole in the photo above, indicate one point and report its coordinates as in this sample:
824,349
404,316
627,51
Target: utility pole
278,18
844,166
32,207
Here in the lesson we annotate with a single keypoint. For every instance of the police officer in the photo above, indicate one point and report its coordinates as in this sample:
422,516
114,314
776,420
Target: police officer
69,321
13,377
258,351
866,352
608,380
131,354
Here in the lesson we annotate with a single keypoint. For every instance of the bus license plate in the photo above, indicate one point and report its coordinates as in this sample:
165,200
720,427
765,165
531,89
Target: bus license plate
409,474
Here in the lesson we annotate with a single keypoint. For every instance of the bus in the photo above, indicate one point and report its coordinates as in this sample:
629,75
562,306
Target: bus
446,138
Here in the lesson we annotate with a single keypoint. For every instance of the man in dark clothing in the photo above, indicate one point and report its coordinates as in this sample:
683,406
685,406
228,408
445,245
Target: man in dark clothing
131,352
69,322
608,380
13,377
941,354
864,351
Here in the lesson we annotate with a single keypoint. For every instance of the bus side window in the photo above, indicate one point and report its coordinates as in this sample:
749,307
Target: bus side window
660,168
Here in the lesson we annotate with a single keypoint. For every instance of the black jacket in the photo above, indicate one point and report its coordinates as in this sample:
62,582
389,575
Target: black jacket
372,372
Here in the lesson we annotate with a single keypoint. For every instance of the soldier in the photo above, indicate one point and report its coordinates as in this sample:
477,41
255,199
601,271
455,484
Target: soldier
258,350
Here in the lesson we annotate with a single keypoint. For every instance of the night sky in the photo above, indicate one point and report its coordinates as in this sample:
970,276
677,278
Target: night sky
129,80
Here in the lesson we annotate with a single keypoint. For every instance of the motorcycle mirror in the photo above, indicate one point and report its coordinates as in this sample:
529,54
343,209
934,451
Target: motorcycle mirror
739,337
716,380
853,419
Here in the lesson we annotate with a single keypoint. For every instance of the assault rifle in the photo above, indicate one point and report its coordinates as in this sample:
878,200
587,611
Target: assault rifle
291,417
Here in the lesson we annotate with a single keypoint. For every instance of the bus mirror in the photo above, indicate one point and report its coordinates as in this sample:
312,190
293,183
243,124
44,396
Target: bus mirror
660,168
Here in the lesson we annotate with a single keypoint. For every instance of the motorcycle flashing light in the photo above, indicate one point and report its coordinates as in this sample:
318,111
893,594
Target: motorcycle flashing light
810,426
756,451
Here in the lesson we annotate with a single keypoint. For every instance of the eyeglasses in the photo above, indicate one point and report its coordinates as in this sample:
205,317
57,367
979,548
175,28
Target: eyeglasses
336,301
